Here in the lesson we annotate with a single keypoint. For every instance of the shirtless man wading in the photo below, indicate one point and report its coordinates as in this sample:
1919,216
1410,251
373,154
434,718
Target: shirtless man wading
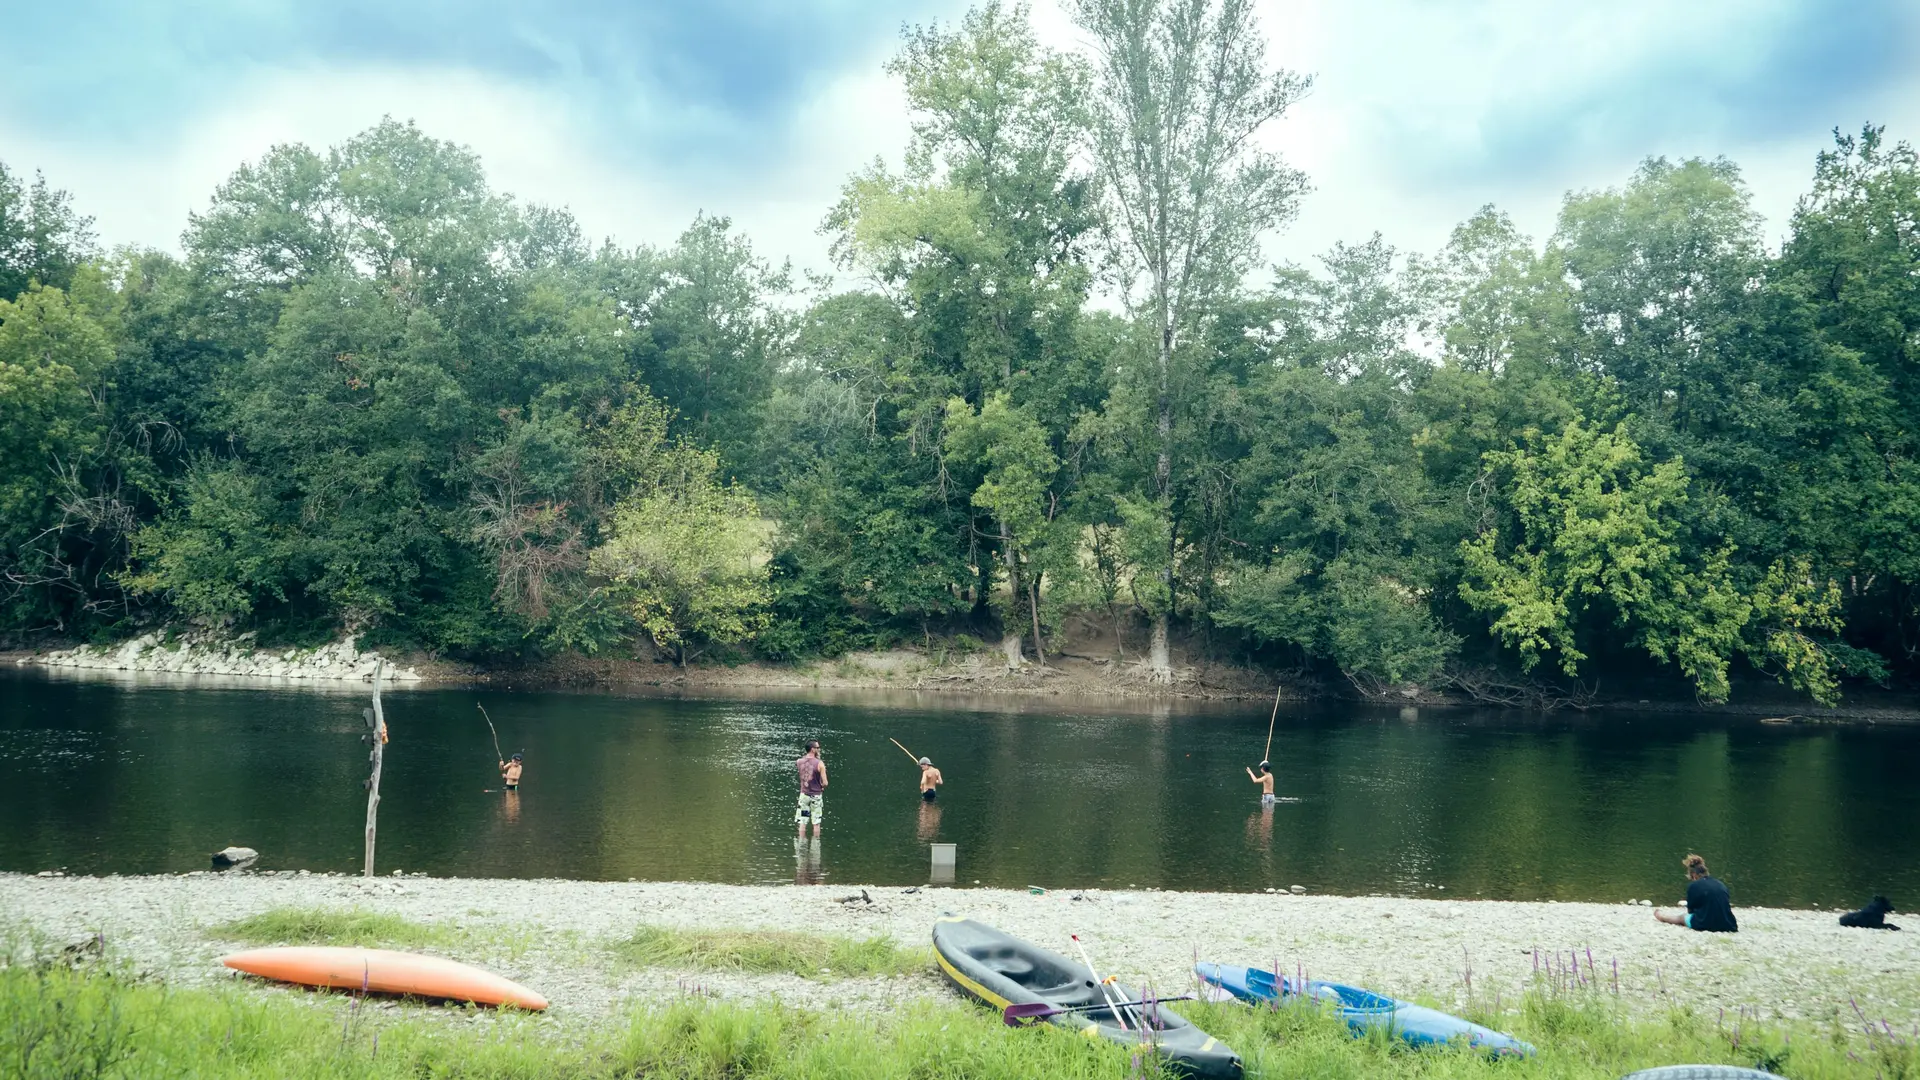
813,787
930,780
1265,780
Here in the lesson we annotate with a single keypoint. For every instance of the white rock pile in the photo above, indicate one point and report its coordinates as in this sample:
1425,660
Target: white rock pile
208,654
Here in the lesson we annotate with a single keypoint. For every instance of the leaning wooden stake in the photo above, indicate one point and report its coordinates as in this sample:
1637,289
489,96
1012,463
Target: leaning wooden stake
1267,754
377,720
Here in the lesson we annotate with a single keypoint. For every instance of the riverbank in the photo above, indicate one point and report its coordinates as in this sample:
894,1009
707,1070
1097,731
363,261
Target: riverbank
1084,666
923,674
201,653
561,938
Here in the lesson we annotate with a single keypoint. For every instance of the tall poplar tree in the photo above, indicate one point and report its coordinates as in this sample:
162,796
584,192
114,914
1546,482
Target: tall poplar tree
1183,94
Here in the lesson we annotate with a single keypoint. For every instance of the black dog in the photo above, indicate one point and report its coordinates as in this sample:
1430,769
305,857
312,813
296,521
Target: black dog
1871,917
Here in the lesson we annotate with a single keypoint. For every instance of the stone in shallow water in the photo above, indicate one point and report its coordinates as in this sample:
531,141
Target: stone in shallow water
230,858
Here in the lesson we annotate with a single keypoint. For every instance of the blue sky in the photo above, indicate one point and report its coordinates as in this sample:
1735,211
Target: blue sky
638,114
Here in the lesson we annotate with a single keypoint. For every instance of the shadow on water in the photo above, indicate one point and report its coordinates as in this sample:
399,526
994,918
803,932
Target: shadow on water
148,775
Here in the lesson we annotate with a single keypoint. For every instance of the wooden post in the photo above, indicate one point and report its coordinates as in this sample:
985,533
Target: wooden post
378,721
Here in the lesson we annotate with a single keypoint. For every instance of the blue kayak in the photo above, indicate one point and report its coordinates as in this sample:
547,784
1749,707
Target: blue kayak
1363,1010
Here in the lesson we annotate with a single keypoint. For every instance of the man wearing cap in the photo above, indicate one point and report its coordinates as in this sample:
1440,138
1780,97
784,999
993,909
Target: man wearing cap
510,773
930,780
1265,780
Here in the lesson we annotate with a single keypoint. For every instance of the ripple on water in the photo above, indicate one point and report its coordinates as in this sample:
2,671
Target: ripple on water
54,747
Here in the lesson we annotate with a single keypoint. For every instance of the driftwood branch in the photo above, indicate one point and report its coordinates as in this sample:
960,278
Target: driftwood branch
377,720
1487,686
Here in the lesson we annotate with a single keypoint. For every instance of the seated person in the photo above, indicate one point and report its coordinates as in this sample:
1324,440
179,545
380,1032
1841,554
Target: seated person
1709,905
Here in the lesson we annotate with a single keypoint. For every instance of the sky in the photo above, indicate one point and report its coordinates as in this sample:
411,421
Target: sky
637,114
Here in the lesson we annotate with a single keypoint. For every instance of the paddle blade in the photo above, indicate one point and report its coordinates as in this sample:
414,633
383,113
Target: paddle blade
1024,1013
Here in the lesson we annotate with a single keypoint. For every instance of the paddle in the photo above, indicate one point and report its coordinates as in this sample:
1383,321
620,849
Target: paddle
1021,1014
1104,996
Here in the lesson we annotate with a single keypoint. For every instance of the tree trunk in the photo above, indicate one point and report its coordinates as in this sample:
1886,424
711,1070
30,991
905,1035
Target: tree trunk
1010,633
379,737
1010,644
1033,596
1159,665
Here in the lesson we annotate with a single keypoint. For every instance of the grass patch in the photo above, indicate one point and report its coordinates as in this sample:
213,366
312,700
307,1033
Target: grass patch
58,1022
770,952
335,926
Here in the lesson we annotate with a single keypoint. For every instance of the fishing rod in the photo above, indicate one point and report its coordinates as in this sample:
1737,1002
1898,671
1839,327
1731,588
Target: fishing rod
1267,755
903,749
496,733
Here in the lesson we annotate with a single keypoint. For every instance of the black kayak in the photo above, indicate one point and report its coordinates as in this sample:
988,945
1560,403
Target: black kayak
999,970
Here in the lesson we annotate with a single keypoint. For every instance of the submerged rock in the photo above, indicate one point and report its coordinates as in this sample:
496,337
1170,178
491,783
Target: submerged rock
234,858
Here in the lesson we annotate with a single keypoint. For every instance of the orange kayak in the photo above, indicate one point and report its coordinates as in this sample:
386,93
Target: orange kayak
384,971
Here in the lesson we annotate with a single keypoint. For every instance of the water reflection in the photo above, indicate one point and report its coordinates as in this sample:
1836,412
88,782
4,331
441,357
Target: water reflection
806,862
1260,827
929,824
104,777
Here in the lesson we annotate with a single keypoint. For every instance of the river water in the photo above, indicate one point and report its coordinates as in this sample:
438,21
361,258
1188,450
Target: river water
150,775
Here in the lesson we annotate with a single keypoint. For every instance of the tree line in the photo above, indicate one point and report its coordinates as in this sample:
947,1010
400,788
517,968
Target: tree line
375,395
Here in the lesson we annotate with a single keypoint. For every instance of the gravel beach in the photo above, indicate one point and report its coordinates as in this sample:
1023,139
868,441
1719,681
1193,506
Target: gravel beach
551,935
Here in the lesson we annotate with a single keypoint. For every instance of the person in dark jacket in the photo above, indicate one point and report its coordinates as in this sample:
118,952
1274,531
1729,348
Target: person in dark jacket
1709,905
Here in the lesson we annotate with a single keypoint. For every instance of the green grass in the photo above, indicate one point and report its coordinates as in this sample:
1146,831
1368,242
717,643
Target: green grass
56,1022
334,926
770,952
374,929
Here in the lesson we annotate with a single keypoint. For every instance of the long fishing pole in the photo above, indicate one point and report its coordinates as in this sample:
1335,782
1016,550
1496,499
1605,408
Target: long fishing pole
903,749
1267,755
496,734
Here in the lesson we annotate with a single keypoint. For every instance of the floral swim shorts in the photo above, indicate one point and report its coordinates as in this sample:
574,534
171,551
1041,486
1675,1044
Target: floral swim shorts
811,808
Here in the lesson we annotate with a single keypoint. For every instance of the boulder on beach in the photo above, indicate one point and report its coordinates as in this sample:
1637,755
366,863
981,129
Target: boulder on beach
234,858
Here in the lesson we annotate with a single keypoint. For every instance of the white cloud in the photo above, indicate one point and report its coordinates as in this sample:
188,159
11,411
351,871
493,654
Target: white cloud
1397,82
530,141
1410,95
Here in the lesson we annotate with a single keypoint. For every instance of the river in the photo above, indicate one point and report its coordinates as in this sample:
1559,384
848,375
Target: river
150,775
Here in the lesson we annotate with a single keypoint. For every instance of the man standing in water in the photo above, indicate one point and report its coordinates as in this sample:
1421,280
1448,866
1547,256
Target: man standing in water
1265,780
930,780
813,788
510,773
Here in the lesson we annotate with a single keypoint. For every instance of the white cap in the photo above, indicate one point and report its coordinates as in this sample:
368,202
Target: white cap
926,761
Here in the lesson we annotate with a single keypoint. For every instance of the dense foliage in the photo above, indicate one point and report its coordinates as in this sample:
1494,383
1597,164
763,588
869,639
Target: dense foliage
375,395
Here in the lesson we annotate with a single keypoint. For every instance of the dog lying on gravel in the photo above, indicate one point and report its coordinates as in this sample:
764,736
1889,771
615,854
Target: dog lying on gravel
1871,917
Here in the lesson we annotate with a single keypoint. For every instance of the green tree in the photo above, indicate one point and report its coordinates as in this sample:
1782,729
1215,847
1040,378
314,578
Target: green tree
688,558
1854,253
703,330
41,237
1182,91
54,358
1340,540
1018,471
1598,540
980,246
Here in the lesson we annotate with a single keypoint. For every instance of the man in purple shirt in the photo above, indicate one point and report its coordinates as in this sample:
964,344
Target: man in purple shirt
813,786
